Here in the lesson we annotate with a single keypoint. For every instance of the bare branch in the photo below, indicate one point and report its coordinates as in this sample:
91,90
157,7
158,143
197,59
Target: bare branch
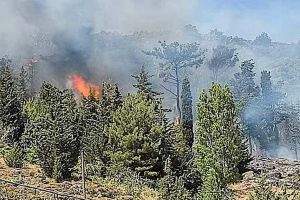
167,81
168,90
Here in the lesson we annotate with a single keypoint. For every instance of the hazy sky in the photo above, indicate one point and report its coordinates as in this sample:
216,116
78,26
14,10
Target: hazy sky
20,19
247,18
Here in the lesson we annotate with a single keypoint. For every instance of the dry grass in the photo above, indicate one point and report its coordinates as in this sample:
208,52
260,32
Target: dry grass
243,189
32,175
96,189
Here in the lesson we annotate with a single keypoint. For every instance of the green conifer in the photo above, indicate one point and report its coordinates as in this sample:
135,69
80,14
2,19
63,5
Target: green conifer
56,134
144,85
93,140
135,137
219,147
187,111
12,120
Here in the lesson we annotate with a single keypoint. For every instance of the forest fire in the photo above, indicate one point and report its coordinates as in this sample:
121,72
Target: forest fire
82,86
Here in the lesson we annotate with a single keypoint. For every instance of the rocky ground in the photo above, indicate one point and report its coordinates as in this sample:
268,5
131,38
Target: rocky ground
276,171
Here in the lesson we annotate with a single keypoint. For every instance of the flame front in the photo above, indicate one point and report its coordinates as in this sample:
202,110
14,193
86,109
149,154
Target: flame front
83,87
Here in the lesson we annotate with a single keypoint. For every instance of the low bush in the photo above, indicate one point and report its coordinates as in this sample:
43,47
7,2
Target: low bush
14,156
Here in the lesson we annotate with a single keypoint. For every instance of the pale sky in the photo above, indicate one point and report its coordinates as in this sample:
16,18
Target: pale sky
248,18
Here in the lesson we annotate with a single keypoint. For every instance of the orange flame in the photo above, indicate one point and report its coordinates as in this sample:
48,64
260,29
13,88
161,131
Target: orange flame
83,87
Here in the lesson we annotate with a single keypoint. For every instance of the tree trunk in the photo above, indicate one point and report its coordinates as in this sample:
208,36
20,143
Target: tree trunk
250,144
178,93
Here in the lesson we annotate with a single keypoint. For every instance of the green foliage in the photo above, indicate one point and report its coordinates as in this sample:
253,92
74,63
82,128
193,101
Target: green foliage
23,84
31,155
33,109
144,85
12,120
172,186
135,136
179,166
93,141
174,59
269,133
213,188
176,189
187,111
14,156
263,191
246,93
182,152
133,184
243,86
266,85
56,134
111,100
219,147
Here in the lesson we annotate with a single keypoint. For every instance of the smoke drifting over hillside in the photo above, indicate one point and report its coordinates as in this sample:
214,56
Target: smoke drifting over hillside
64,34
22,19
69,31
104,39
101,39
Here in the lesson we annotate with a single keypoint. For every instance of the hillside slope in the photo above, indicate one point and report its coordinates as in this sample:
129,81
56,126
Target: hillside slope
276,171
33,176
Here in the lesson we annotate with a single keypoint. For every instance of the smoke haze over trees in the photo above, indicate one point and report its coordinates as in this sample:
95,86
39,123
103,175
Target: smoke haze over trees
173,93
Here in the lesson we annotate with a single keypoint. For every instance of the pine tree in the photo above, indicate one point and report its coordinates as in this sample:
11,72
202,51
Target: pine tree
11,101
222,59
181,153
111,100
182,164
93,141
174,144
56,134
246,93
144,85
243,86
172,187
267,117
291,128
266,85
187,111
219,147
175,58
23,85
135,137
212,188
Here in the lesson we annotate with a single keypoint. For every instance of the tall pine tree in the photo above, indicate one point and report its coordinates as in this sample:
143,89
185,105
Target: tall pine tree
111,100
243,86
246,93
187,111
11,102
93,141
174,59
269,138
219,147
145,87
